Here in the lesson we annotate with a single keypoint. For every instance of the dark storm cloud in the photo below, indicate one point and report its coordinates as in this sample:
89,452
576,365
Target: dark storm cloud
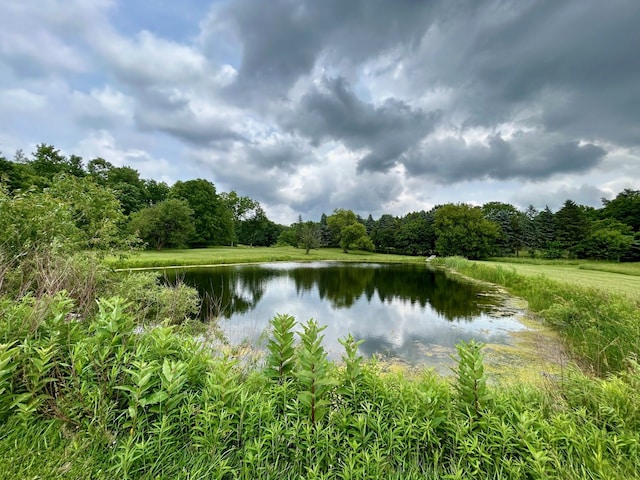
452,160
334,112
575,62
282,39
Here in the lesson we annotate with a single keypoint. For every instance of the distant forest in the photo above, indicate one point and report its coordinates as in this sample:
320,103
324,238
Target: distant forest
39,189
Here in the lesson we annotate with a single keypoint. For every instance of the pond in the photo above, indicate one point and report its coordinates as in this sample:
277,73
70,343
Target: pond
405,312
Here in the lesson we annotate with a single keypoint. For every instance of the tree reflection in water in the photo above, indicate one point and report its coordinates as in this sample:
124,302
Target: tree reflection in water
406,311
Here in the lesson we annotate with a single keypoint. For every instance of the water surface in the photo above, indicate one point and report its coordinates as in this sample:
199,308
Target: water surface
406,312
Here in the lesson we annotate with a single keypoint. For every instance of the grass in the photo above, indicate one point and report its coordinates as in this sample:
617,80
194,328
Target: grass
595,312
234,255
614,278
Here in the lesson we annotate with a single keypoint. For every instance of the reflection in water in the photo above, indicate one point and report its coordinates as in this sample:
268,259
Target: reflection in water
405,311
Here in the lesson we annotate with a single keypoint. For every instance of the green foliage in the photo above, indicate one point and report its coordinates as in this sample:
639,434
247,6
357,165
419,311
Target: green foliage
345,230
212,217
31,219
416,235
572,225
281,359
471,381
95,211
47,162
463,230
152,302
154,404
384,232
355,236
309,236
608,240
625,207
339,219
314,372
167,224
352,374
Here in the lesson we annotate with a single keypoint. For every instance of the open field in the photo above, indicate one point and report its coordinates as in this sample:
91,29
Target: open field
621,278
230,255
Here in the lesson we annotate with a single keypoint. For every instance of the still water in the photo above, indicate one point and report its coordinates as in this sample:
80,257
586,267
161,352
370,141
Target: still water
405,312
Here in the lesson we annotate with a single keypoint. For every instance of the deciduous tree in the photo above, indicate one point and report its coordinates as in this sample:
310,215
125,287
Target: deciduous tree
463,230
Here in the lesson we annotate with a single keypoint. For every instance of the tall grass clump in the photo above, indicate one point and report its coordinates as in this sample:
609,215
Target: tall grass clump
601,329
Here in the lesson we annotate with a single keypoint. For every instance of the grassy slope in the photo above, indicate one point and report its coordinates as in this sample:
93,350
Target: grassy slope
229,255
609,277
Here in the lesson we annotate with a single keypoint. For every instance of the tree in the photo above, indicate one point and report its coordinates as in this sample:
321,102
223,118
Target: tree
355,236
164,225
16,176
309,236
156,191
95,210
604,244
47,162
608,240
529,233
241,208
511,223
545,227
288,236
213,220
99,169
571,225
339,219
73,214
344,226
256,229
384,232
32,219
325,233
462,230
625,208
415,234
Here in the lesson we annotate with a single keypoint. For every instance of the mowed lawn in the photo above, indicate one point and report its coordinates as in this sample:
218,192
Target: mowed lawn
234,255
621,278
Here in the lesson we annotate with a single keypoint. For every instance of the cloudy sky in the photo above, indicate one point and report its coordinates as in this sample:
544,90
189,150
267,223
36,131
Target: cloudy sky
379,106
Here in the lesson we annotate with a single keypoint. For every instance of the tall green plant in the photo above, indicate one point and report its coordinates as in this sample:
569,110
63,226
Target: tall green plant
471,381
352,367
280,361
314,373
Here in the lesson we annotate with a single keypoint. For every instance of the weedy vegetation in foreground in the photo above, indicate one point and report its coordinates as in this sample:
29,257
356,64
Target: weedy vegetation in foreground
119,387
100,398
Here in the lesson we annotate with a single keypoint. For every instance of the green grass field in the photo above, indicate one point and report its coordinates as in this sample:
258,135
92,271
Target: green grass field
231,255
621,278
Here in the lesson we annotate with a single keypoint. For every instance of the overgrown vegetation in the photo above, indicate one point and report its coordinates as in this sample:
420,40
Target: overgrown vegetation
100,399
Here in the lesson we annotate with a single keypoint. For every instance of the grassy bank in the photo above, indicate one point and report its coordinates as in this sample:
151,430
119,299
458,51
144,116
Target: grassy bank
230,255
615,278
595,311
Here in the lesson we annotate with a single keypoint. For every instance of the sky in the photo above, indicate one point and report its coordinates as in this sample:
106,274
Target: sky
378,106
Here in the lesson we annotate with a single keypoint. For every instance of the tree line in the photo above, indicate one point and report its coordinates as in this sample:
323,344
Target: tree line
193,213
190,213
